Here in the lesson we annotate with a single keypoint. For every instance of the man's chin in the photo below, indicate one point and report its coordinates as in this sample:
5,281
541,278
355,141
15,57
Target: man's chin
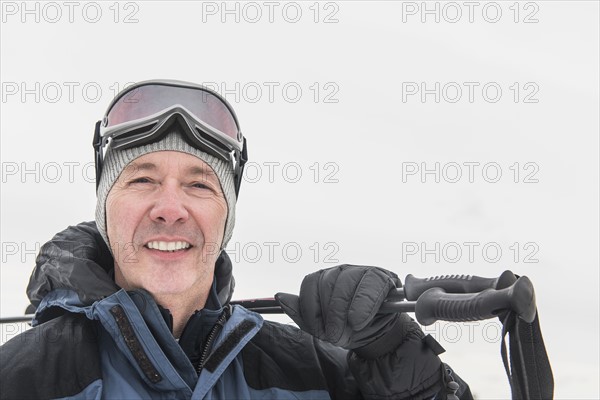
170,288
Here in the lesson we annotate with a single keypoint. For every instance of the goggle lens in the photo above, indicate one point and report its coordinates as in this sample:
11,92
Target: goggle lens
144,101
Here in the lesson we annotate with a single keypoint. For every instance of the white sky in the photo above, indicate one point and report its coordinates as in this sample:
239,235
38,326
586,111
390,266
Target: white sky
361,117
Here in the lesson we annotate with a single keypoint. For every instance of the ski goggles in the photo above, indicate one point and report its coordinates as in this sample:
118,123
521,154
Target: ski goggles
145,112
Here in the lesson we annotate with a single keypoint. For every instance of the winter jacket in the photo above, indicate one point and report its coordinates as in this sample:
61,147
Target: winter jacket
93,340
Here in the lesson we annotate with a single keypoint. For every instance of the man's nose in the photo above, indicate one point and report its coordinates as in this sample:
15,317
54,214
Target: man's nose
169,207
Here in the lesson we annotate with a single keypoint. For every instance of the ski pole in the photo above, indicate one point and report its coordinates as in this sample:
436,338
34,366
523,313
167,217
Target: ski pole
21,318
437,304
415,287
448,297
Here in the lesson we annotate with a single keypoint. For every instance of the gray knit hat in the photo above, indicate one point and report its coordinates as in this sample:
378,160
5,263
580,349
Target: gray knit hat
116,160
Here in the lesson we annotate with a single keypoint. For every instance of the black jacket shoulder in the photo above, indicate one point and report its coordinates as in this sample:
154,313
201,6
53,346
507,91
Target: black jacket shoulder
56,359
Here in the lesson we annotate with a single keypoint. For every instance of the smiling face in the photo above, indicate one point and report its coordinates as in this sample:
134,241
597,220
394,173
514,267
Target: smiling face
165,218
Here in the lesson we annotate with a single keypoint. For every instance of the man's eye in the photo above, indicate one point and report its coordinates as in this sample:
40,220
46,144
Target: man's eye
199,185
140,180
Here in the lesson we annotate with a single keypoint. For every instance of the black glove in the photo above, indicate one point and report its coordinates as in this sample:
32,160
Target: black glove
340,305
389,358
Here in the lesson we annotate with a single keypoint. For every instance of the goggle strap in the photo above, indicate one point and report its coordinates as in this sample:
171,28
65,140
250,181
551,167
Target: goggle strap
240,169
98,156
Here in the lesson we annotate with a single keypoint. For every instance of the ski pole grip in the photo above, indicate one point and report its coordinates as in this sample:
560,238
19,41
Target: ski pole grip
435,304
415,287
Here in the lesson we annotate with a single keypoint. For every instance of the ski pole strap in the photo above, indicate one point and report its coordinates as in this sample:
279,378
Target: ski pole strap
529,373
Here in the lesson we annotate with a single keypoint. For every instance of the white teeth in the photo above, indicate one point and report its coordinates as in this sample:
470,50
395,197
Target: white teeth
167,246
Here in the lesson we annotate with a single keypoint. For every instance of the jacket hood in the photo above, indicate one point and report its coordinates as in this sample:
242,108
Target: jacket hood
79,260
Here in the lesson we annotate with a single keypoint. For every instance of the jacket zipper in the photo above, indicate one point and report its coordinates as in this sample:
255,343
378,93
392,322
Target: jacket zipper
212,335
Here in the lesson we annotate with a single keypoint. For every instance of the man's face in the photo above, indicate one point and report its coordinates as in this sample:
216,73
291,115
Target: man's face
165,220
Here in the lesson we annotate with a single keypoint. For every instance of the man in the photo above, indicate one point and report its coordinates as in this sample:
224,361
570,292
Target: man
136,305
